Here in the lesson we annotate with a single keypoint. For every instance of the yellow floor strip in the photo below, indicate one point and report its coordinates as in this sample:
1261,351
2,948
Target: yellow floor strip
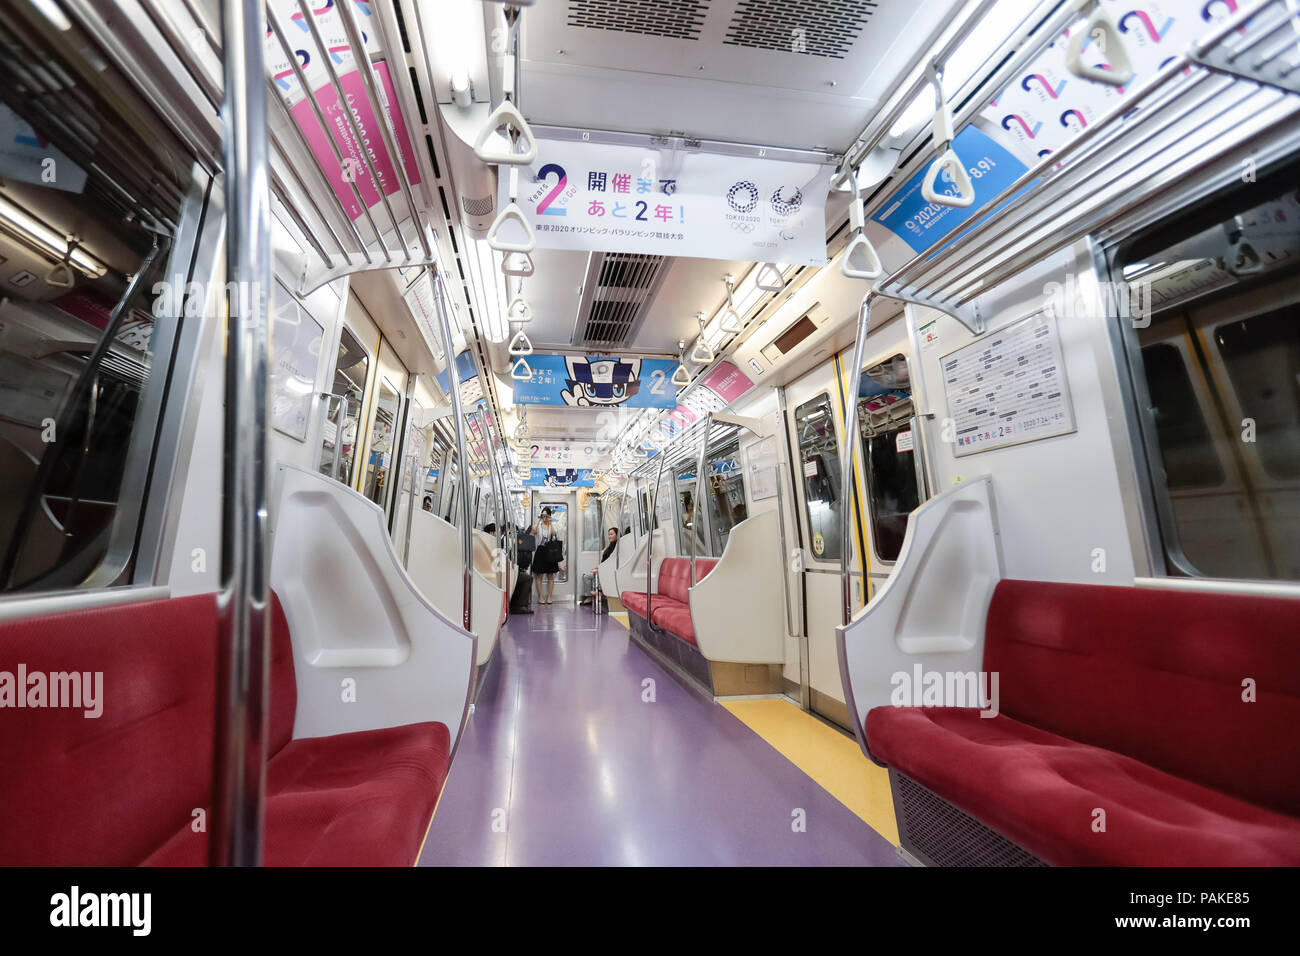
832,759
621,617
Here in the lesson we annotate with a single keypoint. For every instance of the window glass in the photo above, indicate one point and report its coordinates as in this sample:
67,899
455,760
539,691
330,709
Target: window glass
814,424
380,457
1187,451
70,401
885,421
593,537
1221,358
1262,355
350,371
684,481
727,506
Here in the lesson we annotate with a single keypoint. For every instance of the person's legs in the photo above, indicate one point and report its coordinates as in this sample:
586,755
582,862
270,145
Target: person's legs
550,589
538,579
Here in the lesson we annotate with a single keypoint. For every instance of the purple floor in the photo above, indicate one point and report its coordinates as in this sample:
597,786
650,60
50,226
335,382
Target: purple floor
562,763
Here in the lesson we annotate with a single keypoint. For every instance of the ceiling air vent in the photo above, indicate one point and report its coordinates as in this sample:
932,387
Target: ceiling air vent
616,294
678,19
812,27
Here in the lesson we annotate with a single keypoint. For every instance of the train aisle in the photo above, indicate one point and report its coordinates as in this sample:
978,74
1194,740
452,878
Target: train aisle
565,761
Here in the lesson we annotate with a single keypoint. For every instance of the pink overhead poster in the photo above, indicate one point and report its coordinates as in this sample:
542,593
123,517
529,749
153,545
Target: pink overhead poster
727,382
354,164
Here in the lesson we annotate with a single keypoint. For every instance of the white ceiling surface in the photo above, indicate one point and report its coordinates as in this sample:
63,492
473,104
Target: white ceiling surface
700,86
616,79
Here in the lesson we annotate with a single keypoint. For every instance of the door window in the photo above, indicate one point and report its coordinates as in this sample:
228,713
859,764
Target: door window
885,422
350,370
814,424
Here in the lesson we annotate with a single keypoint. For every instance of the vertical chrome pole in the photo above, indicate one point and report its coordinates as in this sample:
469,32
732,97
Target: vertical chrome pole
413,501
850,452
650,541
696,525
239,752
457,413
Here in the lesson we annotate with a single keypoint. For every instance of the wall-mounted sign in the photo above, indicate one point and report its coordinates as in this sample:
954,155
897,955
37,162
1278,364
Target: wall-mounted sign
419,299
1008,387
921,223
727,382
673,201
560,478
589,380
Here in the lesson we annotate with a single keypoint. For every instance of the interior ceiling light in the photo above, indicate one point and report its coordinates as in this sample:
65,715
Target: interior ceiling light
961,65
32,230
491,291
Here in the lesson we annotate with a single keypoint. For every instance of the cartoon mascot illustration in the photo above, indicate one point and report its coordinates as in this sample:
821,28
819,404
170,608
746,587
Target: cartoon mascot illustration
561,477
600,381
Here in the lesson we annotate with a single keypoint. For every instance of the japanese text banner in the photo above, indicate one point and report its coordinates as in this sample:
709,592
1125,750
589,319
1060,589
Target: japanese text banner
673,202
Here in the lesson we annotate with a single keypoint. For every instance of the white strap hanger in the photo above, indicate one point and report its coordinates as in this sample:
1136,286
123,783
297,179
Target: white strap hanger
1101,30
731,321
946,159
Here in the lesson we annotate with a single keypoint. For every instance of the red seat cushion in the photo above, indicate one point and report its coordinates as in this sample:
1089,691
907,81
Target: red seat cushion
122,787
675,576
358,799
1041,791
635,601
108,790
1157,673
674,617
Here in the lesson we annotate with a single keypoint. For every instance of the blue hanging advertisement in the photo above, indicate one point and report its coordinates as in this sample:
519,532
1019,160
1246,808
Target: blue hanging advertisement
598,381
464,368
921,223
560,478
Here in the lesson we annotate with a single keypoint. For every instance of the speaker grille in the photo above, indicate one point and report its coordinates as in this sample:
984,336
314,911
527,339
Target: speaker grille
676,19
477,207
938,833
810,27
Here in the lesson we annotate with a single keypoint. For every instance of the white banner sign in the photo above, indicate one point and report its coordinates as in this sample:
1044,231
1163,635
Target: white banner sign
565,453
672,202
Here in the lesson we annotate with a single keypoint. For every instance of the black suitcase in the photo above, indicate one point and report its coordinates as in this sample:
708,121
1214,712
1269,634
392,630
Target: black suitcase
521,602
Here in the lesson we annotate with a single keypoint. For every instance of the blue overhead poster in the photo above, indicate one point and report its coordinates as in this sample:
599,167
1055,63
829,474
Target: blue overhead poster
560,478
589,380
464,367
919,223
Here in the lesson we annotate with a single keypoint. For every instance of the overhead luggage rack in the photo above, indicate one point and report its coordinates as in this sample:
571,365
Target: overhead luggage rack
1111,177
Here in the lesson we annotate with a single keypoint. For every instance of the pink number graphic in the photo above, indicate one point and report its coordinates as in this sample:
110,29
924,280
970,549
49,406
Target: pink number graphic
562,180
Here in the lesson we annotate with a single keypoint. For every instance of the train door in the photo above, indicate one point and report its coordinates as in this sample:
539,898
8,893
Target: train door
888,465
592,537
352,367
560,504
813,420
382,438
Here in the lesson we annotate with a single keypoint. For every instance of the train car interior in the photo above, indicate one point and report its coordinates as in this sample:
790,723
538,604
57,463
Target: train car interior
677,433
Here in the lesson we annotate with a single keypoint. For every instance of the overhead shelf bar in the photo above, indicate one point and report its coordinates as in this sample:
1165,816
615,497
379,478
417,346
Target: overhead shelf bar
1101,176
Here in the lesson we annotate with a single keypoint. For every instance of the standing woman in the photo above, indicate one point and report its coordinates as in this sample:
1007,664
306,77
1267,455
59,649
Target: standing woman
546,560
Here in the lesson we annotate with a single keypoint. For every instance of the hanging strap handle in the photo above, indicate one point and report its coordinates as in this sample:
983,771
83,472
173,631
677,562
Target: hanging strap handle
946,158
518,264
521,372
860,259
769,278
1101,29
731,322
701,354
520,345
